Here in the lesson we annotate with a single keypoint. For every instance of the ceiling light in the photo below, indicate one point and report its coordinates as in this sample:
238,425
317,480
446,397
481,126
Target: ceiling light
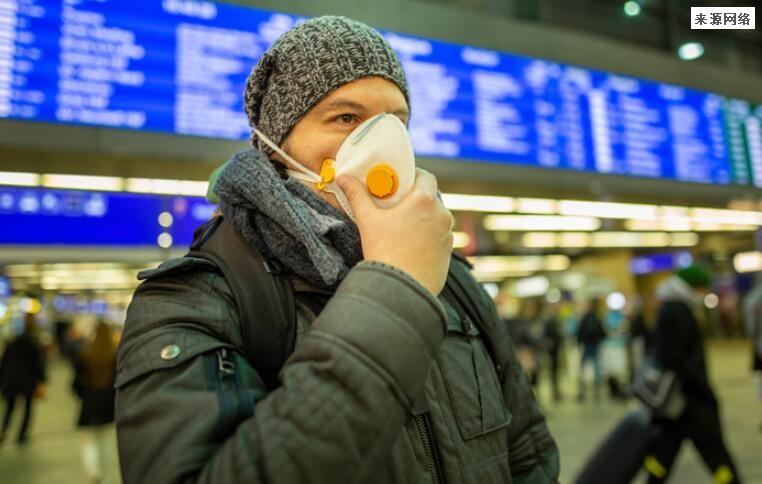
748,261
631,8
690,51
167,187
630,239
687,239
80,182
607,209
531,287
477,203
527,223
19,179
539,240
542,206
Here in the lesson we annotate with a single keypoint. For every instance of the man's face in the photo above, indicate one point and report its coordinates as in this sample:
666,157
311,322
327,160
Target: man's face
321,131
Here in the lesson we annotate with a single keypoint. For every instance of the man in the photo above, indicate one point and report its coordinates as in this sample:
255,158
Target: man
590,335
386,383
22,374
678,345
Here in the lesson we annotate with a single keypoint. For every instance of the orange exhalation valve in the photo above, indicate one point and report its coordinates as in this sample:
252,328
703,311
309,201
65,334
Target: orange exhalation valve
327,173
382,181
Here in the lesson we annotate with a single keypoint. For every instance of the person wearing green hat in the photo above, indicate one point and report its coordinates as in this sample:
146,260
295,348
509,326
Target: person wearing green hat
390,376
678,345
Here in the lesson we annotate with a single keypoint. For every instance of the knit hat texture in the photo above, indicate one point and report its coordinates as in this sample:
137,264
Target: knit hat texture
309,62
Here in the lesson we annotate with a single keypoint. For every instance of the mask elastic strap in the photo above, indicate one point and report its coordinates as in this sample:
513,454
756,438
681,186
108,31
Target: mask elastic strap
301,176
306,175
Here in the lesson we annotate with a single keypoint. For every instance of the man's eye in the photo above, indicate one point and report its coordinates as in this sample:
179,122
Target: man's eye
346,118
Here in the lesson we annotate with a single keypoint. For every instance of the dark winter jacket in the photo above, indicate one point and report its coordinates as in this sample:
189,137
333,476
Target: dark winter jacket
386,384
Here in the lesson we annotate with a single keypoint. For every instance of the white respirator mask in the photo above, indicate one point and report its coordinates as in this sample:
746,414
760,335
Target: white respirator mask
378,152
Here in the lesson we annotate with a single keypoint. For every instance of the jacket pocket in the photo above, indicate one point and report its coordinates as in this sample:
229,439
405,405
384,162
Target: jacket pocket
161,350
471,379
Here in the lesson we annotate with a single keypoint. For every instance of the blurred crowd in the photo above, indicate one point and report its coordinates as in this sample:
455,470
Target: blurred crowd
88,348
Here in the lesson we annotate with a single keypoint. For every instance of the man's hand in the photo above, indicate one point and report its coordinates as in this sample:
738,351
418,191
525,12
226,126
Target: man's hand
414,235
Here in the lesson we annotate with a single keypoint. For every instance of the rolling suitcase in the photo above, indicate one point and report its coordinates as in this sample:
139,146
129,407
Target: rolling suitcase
620,456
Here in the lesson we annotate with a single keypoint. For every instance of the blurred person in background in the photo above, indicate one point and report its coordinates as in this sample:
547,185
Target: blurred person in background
639,337
752,306
22,374
678,345
590,334
552,339
94,384
614,353
524,333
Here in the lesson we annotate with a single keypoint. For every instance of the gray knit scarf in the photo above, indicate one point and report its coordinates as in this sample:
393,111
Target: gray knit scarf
287,221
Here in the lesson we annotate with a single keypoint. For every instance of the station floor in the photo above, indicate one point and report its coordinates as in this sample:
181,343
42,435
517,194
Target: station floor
52,454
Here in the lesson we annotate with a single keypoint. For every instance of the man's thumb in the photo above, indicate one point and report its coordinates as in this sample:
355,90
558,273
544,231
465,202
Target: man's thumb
358,198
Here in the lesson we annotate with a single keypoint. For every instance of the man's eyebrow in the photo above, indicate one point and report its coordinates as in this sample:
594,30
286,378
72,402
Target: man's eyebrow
402,112
341,103
345,103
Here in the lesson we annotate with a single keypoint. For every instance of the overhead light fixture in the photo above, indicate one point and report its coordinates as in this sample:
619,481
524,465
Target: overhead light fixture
540,206
690,51
531,287
83,182
557,262
527,223
748,261
460,240
540,240
19,179
687,239
715,227
607,209
573,240
167,187
685,225
632,8
677,224
499,276
630,239
478,203
564,240
723,216
515,264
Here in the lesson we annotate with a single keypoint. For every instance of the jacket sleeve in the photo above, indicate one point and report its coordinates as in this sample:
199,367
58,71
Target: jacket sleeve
343,400
533,454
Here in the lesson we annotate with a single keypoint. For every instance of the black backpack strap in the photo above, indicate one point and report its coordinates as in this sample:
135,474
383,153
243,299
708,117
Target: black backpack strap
464,293
264,300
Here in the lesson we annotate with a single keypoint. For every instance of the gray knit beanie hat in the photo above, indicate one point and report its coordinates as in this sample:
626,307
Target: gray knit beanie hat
309,62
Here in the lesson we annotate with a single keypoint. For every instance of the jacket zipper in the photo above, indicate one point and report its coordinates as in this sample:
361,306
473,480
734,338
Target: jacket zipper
428,448
224,364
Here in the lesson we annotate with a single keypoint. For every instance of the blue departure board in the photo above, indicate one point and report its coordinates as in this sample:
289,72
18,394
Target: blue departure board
39,216
179,66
